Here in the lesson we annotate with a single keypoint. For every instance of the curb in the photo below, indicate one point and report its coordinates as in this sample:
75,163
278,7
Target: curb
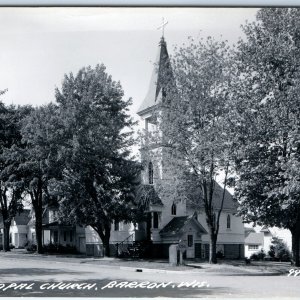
194,266
147,270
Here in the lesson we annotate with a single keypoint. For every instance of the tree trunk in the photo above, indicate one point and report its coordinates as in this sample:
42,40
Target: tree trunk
106,245
104,233
296,246
6,236
213,249
37,203
39,230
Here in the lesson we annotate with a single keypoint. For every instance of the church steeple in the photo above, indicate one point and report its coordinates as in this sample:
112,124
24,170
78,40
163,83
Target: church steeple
161,73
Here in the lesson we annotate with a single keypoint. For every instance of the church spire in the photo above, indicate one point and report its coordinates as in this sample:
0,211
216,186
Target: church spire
162,26
161,71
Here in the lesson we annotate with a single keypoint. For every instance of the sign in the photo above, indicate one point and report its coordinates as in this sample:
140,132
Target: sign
182,246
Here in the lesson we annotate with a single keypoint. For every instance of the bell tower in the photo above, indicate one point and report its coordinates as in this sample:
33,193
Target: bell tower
156,176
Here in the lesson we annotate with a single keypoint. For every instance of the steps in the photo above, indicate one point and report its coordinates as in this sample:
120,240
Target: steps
133,250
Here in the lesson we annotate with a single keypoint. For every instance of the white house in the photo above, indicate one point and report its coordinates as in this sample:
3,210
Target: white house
19,233
260,238
254,241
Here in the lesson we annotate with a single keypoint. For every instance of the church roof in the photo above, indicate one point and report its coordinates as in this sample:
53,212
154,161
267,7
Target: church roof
176,226
195,199
146,195
162,67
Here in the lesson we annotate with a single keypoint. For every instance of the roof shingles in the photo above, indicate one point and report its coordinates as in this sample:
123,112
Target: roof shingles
176,225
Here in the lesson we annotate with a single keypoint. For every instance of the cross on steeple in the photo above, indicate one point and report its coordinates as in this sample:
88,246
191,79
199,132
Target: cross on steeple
162,26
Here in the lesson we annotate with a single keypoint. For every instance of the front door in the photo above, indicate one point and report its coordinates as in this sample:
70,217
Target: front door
190,251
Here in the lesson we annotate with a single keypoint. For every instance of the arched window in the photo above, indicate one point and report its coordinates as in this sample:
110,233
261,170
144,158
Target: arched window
228,222
173,209
150,172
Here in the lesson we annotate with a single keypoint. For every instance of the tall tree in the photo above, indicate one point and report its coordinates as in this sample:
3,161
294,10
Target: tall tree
192,125
267,112
10,191
99,175
39,161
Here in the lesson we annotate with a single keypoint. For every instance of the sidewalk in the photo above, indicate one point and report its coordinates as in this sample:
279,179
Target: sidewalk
225,267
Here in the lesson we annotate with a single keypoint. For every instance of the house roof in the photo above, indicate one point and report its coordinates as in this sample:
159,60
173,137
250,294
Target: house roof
265,229
195,198
56,224
23,218
249,229
176,226
146,195
162,65
256,238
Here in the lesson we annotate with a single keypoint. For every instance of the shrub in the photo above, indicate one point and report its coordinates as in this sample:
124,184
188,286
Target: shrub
220,254
260,255
254,256
29,246
57,248
279,250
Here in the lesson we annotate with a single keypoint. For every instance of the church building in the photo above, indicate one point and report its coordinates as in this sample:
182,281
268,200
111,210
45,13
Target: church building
172,220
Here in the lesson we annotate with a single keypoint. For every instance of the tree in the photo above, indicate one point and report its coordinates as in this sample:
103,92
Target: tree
266,120
192,126
10,192
39,161
98,176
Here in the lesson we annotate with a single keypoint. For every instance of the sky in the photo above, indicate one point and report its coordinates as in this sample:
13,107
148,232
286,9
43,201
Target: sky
40,45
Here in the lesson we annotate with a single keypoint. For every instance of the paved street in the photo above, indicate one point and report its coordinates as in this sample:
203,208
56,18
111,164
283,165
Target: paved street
37,275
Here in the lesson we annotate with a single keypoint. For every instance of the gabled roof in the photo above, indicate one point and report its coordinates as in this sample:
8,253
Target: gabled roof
195,198
176,226
56,224
254,238
249,229
23,218
162,67
265,229
146,195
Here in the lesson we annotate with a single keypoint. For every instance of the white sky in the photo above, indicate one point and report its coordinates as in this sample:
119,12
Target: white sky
40,45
